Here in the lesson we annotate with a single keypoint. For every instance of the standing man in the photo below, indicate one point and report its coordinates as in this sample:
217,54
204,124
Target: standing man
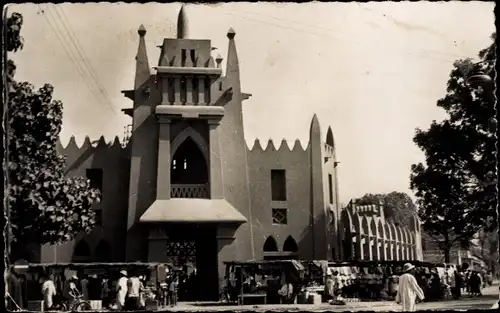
134,290
121,290
408,289
329,285
174,283
48,292
84,283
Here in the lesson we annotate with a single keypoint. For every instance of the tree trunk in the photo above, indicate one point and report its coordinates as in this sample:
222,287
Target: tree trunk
447,255
446,248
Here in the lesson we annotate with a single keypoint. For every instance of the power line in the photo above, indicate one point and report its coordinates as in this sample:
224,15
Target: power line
335,37
55,30
81,52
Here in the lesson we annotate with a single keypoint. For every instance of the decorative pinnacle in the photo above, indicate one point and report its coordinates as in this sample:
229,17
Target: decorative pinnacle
218,58
182,24
141,31
231,33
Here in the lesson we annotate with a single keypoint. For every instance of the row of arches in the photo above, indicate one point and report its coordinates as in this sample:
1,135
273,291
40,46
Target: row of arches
102,251
373,238
290,245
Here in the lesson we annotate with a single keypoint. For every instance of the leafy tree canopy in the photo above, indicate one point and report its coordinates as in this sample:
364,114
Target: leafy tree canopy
456,187
45,206
398,206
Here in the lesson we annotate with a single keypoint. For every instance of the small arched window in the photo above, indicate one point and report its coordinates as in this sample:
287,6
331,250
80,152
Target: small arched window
270,245
82,249
290,245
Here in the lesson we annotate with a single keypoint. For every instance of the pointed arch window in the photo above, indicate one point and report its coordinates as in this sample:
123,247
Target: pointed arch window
270,245
103,251
290,245
82,249
188,164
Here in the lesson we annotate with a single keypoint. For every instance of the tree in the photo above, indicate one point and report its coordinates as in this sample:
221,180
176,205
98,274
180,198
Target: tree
398,206
486,244
456,187
44,205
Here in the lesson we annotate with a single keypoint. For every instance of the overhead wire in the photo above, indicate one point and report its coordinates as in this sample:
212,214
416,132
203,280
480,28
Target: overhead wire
69,53
423,53
76,43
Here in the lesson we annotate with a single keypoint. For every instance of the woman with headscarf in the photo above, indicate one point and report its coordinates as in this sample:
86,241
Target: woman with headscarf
408,290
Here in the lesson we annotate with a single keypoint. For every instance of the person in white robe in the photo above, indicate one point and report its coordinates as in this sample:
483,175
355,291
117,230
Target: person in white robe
408,290
48,292
122,290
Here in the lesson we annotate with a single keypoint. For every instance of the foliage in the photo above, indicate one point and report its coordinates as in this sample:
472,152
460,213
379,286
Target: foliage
14,40
398,206
45,206
487,248
456,187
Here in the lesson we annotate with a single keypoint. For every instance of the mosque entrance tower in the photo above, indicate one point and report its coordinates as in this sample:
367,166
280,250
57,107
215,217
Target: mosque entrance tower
189,193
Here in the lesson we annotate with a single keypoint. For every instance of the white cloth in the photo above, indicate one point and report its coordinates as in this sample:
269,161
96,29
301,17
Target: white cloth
134,287
142,297
48,291
121,288
286,291
408,291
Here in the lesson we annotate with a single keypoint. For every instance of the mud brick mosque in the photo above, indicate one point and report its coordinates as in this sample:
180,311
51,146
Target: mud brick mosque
187,188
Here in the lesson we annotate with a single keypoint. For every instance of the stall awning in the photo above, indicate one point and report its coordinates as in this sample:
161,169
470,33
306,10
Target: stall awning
192,211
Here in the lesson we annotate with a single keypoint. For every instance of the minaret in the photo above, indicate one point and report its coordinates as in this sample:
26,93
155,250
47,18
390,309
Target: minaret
338,242
143,143
182,25
318,216
142,70
234,152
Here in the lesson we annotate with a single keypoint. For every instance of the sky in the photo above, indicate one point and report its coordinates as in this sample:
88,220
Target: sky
371,71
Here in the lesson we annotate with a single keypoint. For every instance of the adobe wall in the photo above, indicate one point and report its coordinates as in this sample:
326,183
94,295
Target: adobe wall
295,161
114,160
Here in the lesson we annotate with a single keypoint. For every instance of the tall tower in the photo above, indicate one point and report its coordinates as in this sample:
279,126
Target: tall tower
319,216
143,143
196,164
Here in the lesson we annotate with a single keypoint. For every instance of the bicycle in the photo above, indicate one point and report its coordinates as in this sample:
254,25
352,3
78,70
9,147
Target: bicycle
76,305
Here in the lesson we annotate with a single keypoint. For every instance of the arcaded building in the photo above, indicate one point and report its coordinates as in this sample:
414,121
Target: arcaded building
187,188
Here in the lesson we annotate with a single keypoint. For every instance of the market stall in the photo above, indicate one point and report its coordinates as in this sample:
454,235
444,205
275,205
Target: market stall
96,281
268,281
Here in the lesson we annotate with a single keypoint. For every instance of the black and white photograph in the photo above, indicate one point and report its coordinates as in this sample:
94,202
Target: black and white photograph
250,156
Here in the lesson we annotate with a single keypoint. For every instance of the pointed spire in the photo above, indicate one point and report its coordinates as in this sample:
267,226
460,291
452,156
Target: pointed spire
182,25
142,71
232,65
329,137
315,125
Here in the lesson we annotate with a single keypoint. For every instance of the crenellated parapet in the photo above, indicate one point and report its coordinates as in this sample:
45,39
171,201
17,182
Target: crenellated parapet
283,146
375,238
92,154
95,145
